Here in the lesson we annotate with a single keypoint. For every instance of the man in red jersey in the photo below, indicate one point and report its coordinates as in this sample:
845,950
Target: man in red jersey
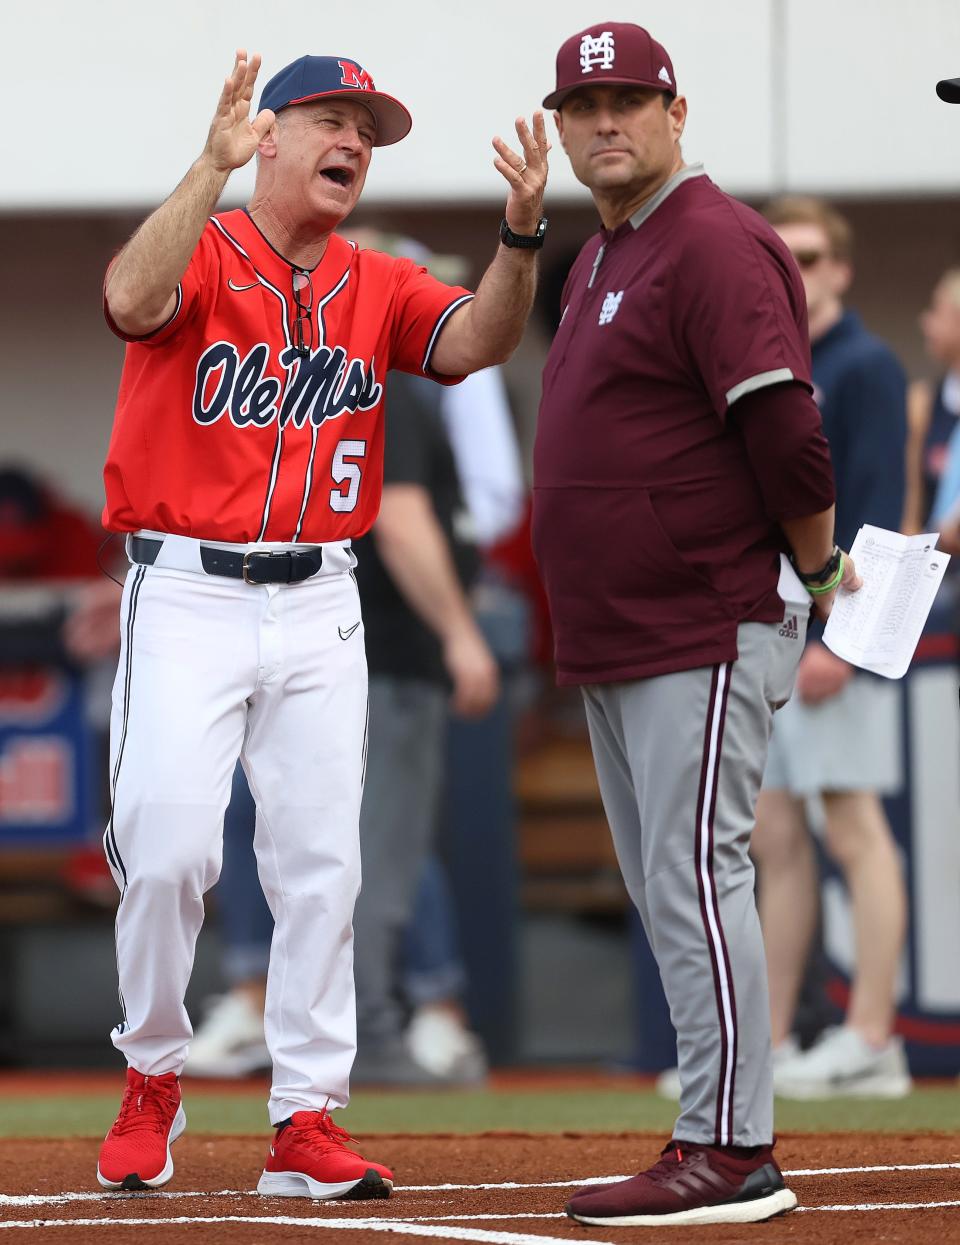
246,454
683,521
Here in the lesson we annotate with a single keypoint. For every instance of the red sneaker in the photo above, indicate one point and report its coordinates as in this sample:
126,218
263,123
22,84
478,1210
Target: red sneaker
136,1151
690,1184
310,1158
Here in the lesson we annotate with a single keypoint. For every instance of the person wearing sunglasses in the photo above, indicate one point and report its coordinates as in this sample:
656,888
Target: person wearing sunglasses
838,740
246,455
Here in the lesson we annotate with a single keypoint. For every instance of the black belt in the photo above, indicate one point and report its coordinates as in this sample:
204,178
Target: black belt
259,566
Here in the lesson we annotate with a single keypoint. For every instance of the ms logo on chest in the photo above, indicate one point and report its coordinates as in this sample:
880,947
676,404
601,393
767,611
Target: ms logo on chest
611,305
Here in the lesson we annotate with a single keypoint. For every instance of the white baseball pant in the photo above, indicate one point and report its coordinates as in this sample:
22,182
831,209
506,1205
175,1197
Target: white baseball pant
212,668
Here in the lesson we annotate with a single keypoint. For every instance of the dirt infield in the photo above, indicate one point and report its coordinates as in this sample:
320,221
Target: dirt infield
463,1188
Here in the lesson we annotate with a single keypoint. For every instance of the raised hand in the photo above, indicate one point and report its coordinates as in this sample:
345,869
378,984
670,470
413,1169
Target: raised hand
233,137
526,174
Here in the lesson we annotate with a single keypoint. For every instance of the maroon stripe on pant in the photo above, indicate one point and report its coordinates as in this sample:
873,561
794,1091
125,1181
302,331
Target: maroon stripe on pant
709,900
727,1117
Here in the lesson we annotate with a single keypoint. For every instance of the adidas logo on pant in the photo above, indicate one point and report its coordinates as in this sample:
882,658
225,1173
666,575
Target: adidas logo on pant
789,630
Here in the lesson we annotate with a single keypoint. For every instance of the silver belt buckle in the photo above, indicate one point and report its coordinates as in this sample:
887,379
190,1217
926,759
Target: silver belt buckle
245,567
261,553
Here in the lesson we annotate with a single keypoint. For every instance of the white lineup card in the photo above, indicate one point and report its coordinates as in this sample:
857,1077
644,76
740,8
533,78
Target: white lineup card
878,628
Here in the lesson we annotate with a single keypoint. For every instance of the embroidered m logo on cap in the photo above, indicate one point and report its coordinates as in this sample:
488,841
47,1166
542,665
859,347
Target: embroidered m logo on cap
597,52
353,75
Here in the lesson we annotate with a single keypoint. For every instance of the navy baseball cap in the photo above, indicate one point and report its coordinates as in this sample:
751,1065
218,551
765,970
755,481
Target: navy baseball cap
337,77
611,54
949,90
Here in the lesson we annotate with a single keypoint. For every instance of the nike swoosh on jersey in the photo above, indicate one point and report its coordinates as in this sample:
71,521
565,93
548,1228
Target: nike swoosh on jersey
345,635
238,289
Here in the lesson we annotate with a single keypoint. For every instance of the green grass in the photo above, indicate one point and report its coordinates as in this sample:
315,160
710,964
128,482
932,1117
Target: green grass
543,1110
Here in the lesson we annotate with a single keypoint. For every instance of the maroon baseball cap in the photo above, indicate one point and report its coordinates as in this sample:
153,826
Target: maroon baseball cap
611,54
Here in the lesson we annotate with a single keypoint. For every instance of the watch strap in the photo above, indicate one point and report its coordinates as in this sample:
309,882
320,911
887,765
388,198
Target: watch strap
826,572
528,241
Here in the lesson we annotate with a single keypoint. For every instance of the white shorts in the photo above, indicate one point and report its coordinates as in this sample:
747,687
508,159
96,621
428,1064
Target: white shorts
851,742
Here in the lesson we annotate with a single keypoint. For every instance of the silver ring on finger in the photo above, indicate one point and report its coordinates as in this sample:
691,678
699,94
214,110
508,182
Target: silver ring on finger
523,167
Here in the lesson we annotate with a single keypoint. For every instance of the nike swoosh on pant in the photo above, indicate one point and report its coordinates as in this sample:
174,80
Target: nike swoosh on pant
345,635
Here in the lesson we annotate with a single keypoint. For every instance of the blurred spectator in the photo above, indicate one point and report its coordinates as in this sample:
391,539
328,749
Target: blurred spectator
45,540
460,951
837,740
934,409
420,632
42,536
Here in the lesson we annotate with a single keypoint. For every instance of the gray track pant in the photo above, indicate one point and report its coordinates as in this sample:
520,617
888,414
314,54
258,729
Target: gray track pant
679,758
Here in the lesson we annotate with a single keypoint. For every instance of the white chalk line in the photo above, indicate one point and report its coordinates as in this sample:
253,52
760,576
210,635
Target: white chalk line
882,1206
414,1226
403,1227
54,1199
886,1167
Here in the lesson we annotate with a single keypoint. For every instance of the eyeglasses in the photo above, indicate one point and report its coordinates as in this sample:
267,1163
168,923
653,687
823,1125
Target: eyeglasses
303,298
807,259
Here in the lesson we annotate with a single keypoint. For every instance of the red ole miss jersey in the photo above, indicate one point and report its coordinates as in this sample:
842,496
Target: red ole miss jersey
224,431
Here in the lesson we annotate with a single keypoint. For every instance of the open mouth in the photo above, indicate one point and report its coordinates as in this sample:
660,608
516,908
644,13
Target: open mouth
339,176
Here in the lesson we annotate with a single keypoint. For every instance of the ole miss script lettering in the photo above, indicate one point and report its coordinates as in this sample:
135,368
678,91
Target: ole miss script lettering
320,386
228,428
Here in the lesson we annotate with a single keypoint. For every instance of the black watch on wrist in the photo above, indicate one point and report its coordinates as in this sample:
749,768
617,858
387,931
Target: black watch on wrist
826,572
530,241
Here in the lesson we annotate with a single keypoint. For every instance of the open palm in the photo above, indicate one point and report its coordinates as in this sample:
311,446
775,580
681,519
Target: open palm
233,137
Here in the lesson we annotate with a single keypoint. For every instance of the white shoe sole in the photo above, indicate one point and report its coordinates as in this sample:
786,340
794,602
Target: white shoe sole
297,1184
754,1211
867,1087
179,1124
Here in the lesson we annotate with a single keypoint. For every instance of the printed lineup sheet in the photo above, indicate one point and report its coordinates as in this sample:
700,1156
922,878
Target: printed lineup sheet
878,627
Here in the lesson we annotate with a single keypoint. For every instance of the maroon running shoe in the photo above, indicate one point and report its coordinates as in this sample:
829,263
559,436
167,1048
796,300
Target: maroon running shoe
136,1151
691,1184
310,1158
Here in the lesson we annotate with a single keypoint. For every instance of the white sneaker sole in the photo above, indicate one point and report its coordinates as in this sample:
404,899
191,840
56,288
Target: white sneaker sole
731,1212
297,1184
866,1087
176,1128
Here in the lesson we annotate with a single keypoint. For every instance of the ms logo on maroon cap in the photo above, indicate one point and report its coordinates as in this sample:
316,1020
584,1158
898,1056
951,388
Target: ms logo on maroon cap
353,75
597,52
611,54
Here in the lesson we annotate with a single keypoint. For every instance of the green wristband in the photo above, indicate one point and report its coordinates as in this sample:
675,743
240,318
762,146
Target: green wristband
834,583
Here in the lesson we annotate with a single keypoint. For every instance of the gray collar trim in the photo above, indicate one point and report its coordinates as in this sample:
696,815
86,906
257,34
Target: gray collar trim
651,205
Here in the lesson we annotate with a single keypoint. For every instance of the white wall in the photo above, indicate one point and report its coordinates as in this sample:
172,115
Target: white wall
861,111
108,101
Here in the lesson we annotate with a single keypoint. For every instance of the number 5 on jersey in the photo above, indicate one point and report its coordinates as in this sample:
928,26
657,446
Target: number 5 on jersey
346,472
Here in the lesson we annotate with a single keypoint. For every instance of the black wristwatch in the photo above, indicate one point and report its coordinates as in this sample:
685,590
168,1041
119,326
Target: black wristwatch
531,241
826,572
